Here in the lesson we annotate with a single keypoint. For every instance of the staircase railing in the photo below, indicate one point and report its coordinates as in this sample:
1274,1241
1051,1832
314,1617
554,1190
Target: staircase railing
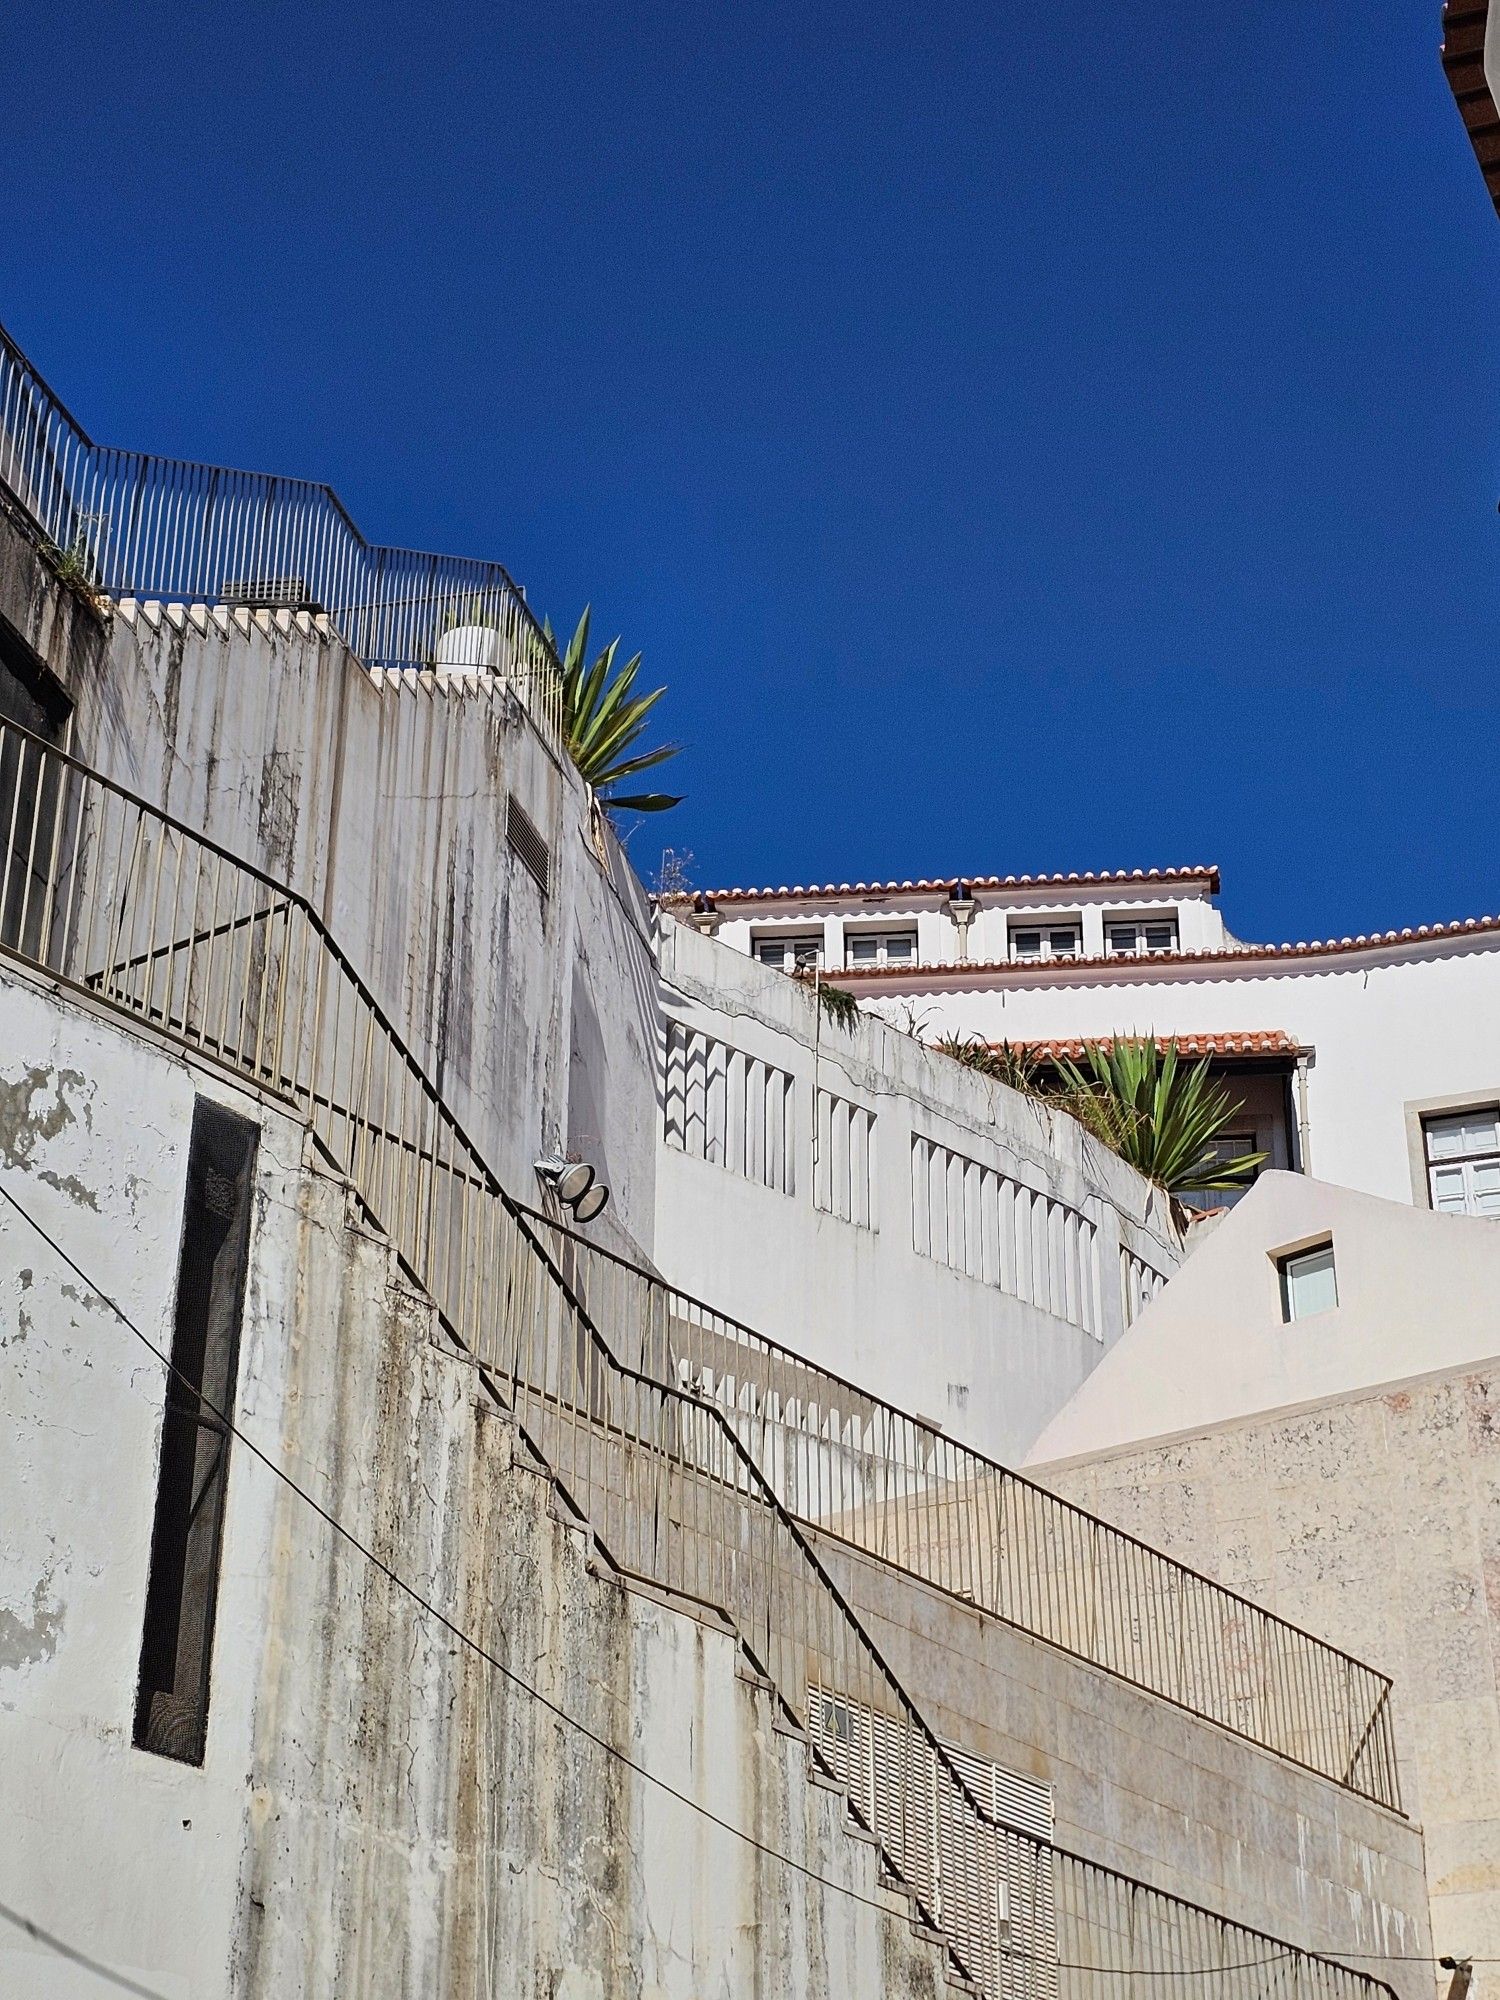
117,901
130,524
853,1465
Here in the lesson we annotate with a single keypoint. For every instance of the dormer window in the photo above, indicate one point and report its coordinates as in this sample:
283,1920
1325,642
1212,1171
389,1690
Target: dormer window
790,954
880,948
1042,942
1140,937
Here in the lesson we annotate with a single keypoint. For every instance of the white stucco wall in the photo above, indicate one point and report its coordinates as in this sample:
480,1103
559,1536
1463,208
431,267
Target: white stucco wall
1391,1027
987,1365
997,912
1417,1292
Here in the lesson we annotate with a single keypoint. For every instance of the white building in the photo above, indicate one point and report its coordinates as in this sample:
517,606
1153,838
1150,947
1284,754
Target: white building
1371,1061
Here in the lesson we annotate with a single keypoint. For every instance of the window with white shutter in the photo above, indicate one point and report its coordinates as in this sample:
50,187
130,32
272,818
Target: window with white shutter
1463,1161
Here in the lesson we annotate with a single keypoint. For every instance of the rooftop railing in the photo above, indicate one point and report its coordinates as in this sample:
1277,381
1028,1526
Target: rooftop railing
133,911
130,524
853,1465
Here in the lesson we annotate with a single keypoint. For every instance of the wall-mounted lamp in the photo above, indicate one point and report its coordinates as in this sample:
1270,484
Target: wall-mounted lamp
576,1186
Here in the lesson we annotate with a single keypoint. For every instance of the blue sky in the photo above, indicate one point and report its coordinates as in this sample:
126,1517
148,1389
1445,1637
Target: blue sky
1021,440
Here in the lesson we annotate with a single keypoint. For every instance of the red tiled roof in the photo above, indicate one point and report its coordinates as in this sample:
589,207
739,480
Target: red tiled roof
1251,1042
814,893
1238,954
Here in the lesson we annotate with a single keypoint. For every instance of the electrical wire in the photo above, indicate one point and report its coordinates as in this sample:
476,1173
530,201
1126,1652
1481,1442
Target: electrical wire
74,1956
572,1722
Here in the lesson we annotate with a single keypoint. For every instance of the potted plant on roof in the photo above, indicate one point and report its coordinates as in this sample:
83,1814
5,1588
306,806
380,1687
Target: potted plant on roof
470,641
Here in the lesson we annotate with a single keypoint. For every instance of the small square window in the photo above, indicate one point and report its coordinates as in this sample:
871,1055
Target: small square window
1309,1283
880,948
788,953
1046,942
1147,938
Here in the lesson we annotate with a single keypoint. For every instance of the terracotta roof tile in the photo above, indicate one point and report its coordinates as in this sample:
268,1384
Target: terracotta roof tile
1249,1042
1203,872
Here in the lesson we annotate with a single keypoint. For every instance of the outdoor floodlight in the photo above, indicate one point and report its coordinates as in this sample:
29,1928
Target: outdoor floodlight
593,1201
576,1186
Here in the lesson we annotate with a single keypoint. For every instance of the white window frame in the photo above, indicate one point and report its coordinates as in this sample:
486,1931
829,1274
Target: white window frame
798,942
882,941
1139,945
1473,1163
1046,929
1309,1263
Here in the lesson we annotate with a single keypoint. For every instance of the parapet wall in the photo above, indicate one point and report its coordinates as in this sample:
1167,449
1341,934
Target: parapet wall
961,1250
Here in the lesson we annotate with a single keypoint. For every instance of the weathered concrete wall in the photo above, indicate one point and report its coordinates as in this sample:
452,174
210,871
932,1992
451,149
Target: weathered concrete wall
379,1812
61,626
1373,1520
383,798
1144,1787
987,1365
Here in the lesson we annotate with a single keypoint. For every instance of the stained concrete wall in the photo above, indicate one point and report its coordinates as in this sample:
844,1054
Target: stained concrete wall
382,798
1147,1788
379,1811
985,1364
1372,1519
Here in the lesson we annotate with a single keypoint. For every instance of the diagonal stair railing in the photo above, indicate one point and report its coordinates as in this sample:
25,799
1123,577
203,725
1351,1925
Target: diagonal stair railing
853,1465
116,901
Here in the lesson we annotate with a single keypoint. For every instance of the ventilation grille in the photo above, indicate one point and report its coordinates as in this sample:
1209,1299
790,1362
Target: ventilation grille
525,839
269,593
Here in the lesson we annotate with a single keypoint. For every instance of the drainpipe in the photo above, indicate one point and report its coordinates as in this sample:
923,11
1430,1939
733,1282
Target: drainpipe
961,907
1304,1130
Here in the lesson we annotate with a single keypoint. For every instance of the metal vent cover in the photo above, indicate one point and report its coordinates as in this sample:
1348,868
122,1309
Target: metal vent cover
524,837
269,593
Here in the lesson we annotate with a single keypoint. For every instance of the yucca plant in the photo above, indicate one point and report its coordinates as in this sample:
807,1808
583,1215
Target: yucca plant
1160,1117
603,719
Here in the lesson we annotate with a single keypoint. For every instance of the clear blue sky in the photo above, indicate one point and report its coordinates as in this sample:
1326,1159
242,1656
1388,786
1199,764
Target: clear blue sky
1022,439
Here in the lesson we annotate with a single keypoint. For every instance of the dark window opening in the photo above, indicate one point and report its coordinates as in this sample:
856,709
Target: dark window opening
171,1714
31,785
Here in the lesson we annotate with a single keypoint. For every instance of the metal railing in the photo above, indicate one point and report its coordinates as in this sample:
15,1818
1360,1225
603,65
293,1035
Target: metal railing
113,899
854,1466
129,524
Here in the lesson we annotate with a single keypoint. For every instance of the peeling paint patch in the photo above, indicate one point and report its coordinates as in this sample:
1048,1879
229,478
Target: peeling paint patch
23,1124
24,1281
24,1643
71,1186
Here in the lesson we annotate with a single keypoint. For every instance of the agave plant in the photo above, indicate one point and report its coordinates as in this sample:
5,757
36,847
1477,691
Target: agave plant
603,719
1160,1117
